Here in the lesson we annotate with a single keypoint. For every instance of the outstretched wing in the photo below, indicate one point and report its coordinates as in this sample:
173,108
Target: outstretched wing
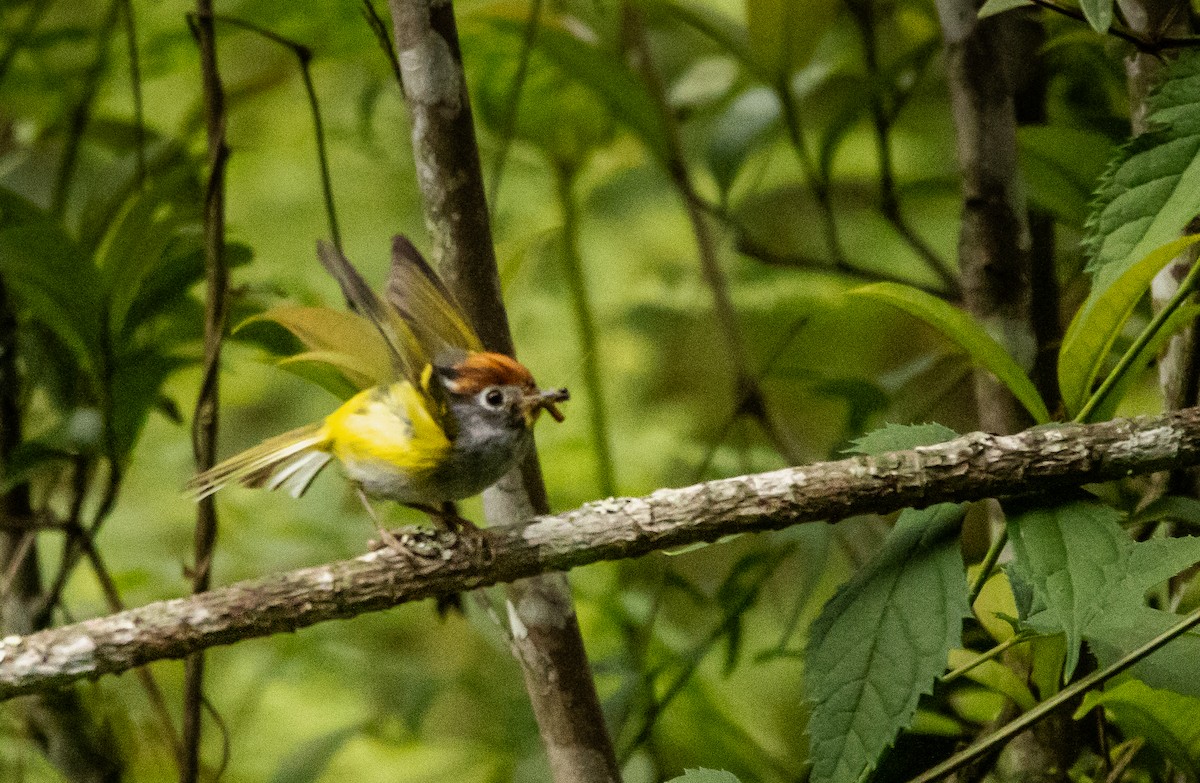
406,351
428,307
412,357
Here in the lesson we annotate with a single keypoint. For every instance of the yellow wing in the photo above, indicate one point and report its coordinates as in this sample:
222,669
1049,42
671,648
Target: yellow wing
427,306
407,354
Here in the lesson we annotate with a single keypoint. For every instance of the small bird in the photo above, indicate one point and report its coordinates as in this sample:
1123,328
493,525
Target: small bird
451,421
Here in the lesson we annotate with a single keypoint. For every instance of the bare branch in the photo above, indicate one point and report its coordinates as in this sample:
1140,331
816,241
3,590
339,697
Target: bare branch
972,467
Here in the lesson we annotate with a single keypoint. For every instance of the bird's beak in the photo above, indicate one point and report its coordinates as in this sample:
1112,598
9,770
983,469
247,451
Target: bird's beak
547,400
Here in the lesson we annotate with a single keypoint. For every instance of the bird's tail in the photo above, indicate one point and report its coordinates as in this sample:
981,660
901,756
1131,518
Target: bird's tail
291,461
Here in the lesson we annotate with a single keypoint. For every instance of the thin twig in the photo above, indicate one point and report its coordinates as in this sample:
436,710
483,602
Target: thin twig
384,37
984,657
204,424
989,563
1148,46
863,12
304,56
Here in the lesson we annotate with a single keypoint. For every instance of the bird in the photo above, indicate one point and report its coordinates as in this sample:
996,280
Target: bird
449,422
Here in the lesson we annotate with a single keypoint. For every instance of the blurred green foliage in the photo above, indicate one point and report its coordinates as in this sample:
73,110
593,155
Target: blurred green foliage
698,656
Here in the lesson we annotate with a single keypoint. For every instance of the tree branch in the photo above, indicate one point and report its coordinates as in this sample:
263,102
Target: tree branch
972,467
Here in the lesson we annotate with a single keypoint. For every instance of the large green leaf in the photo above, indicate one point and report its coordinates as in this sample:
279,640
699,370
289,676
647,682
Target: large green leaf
308,762
741,128
337,340
1167,721
882,640
1088,576
970,336
1099,322
1152,191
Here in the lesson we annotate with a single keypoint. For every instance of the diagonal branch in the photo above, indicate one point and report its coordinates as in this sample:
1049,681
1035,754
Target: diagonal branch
972,467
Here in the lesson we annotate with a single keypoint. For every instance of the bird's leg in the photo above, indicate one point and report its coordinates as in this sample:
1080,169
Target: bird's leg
385,535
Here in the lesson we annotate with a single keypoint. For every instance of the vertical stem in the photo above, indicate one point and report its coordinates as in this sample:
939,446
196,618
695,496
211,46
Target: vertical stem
549,647
204,423
508,122
586,323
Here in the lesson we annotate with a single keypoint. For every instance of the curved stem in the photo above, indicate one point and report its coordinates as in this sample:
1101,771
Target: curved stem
1127,359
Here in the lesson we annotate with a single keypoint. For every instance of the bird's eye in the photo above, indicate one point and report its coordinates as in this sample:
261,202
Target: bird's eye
493,397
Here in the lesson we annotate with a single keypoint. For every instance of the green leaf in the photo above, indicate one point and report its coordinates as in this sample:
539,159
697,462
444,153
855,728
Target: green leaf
723,31
995,676
1097,324
1129,627
137,382
1088,576
705,776
1166,720
1152,190
882,640
1099,14
57,284
1179,320
332,336
993,7
1175,508
897,437
558,112
309,760
970,336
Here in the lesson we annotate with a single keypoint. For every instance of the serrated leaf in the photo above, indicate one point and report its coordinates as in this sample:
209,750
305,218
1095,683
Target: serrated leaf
882,640
1089,577
334,333
1166,720
705,776
1099,14
1152,190
898,437
970,336
993,7
1097,324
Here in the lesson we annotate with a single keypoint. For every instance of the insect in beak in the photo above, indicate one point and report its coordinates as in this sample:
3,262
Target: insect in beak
540,400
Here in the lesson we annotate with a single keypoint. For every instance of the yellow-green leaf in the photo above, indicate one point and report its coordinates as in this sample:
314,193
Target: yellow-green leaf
1095,328
970,336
